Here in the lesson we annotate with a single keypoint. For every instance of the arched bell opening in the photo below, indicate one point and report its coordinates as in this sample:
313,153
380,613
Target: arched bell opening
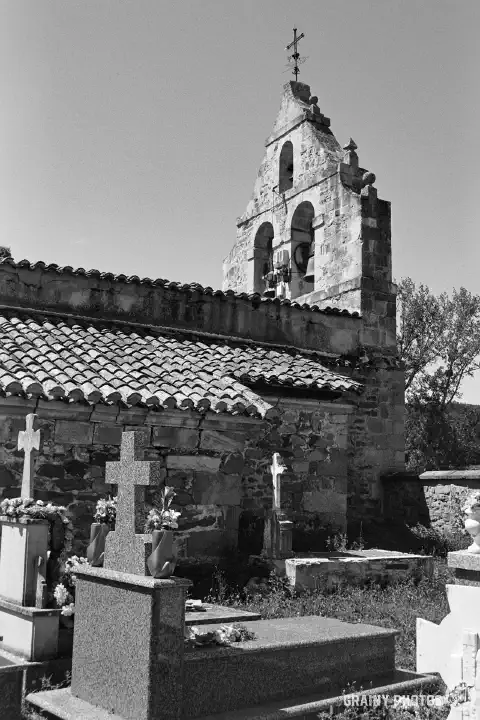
263,259
303,250
285,170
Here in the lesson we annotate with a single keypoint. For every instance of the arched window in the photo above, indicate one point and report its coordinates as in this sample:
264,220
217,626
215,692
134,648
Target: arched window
263,256
285,174
302,250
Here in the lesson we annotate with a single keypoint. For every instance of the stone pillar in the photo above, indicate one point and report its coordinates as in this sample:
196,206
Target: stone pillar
129,643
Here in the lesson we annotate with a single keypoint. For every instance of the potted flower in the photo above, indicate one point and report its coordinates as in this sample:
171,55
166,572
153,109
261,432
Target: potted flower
161,524
105,515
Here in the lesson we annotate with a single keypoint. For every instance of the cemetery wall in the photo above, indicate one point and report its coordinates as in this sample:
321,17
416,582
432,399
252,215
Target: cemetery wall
433,504
218,464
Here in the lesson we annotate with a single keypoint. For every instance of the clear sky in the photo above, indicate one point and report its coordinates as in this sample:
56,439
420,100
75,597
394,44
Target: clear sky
132,130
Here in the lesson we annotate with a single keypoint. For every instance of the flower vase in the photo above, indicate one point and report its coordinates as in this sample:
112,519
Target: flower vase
162,561
96,549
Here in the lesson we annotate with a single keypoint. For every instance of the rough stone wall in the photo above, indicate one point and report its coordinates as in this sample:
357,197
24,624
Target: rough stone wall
433,505
218,464
376,437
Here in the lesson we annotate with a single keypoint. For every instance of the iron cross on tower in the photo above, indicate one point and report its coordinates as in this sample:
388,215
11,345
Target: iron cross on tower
295,56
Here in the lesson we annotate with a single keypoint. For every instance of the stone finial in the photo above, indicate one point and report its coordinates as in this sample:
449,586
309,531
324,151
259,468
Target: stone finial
351,157
28,440
368,178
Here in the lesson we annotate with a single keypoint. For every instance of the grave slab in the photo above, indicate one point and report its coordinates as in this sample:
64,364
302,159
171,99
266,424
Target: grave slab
289,656
215,614
331,570
466,567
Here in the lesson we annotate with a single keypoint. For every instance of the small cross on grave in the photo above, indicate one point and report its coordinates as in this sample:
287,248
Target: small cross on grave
28,440
127,548
278,529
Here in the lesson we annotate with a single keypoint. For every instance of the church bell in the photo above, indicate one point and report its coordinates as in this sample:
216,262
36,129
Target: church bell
310,271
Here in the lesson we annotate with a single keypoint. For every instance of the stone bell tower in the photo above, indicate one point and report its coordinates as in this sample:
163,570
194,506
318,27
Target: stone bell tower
314,230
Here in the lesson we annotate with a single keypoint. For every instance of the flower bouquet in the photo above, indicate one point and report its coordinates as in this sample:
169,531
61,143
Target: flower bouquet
64,592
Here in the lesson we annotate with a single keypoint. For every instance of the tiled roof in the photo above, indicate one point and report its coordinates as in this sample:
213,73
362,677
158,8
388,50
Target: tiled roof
134,279
60,357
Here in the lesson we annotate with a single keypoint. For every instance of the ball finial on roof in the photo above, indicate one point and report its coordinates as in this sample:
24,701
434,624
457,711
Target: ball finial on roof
368,178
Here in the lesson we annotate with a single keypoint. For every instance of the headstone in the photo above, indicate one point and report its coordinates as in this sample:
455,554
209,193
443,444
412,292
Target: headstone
28,440
127,547
278,528
452,648
27,627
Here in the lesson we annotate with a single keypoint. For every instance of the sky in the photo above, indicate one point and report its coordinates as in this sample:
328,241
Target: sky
131,131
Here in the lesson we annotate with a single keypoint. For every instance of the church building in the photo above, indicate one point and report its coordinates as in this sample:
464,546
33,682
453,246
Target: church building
295,358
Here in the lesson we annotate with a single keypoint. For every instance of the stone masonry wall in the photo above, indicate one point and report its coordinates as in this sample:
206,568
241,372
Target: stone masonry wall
435,505
218,464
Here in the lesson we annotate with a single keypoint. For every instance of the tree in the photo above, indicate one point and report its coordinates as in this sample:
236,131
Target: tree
5,252
439,341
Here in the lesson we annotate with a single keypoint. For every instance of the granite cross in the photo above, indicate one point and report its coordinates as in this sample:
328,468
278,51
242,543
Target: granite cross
126,548
28,440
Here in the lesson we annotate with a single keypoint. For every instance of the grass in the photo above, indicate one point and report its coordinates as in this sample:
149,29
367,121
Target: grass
395,606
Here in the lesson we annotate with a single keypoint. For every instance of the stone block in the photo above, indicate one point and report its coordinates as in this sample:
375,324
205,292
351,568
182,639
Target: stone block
107,434
221,441
217,489
233,463
206,543
129,661
200,463
73,433
325,501
173,437
23,544
11,681
31,633
6,478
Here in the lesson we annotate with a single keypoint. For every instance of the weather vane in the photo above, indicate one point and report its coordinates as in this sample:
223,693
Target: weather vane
294,60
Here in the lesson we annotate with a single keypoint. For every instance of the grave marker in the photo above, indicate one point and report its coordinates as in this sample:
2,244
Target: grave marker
127,548
278,529
28,440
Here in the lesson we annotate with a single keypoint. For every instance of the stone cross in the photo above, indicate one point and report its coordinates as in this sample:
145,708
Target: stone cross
126,548
28,440
277,467
278,529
